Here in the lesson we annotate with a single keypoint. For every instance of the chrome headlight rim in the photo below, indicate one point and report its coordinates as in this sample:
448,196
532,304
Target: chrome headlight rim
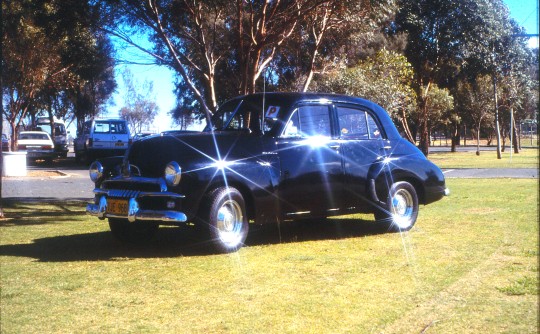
95,171
173,174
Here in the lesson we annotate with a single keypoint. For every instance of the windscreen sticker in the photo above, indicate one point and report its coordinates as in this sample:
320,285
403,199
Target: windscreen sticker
272,112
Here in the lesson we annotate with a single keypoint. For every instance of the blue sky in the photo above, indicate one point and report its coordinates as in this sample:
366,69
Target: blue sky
524,12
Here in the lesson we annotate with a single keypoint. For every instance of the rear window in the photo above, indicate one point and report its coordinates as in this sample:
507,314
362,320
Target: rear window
110,127
33,136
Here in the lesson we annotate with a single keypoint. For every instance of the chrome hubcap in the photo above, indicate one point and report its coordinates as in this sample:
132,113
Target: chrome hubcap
229,222
402,208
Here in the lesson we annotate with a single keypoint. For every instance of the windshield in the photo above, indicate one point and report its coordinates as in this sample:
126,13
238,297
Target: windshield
244,115
223,116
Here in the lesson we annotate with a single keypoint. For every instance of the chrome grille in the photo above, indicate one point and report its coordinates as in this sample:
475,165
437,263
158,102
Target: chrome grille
138,184
123,193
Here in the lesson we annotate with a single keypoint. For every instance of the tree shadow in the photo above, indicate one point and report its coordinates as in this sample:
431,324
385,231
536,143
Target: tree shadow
29,211
182,241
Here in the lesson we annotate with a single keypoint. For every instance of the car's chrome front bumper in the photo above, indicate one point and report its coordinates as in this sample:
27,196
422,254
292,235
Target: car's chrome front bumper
134,212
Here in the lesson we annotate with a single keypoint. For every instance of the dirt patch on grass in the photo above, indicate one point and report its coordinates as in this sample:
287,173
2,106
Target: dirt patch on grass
45,173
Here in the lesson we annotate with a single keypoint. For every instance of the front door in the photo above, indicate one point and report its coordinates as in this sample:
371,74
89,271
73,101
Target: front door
311,166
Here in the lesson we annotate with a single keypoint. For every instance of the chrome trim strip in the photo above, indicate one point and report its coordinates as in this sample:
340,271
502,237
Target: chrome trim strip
135,193
298,213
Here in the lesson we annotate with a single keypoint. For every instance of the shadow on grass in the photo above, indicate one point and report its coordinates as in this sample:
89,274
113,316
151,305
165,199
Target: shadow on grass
30,211
169,241
180,241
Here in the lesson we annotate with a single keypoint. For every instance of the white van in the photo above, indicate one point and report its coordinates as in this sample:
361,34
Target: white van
102,138
60,135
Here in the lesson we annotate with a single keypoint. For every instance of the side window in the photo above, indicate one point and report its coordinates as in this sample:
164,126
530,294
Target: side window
373,128
314,121
292,129
357,124
352,123
118,127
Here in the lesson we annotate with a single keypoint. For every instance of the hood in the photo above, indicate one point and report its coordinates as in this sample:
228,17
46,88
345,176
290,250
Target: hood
191,150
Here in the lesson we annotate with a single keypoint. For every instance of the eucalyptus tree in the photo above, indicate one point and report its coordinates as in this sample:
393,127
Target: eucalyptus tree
475,102
385,78
447,36
139,109
199,38
49,49
221,48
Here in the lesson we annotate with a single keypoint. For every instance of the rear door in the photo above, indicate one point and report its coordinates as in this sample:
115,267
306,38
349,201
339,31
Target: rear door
363,144
110,134
101,138
311,169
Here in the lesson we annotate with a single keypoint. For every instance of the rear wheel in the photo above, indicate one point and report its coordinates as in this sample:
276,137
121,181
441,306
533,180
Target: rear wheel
223,218
136,232
401,207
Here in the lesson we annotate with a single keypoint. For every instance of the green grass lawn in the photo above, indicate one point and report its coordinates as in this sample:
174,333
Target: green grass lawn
527,158
470,265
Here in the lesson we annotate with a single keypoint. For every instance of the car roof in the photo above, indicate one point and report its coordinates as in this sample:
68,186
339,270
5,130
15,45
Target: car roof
288,99
307,96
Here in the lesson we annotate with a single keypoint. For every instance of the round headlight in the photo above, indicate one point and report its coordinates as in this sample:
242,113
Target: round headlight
173,173
95,171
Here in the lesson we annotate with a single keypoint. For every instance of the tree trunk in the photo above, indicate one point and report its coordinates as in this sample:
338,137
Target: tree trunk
455,136
406,129
478,140
424,129
515,137
497,127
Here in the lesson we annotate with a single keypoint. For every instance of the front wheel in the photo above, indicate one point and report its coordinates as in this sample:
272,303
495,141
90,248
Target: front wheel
136,232
401,207
224,219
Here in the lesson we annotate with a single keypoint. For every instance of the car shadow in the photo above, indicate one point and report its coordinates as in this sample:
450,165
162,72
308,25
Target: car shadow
181,241
168,242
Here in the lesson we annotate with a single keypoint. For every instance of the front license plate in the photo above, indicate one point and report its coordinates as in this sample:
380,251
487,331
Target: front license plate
117,207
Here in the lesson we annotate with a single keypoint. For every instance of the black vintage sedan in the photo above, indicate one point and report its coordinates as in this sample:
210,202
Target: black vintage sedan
267,158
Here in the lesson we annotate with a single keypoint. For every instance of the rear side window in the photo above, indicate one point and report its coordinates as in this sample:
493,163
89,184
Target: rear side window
357,124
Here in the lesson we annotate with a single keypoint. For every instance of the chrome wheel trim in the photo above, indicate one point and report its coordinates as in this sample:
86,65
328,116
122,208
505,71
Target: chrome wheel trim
402,209
230,221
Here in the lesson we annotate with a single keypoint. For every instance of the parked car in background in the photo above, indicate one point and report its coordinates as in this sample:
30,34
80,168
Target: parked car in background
5,143
60,134
141,135
267,158
102,138
37,144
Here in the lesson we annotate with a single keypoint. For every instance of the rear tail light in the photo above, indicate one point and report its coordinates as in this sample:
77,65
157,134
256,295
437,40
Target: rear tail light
22,147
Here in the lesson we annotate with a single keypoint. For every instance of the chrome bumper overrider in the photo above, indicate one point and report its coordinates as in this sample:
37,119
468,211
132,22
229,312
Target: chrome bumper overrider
446,191
134,211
